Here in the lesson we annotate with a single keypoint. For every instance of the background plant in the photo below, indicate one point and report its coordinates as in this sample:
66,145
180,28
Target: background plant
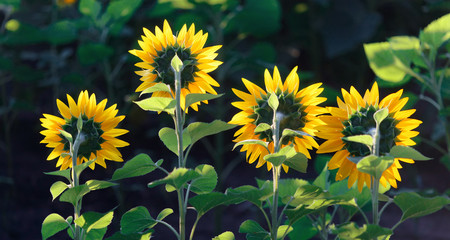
323,37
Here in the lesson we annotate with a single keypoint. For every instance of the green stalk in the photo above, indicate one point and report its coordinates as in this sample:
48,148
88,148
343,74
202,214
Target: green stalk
375,180
177,67
276,175
75,181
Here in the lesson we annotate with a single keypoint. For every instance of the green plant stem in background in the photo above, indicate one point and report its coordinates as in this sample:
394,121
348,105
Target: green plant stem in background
375,189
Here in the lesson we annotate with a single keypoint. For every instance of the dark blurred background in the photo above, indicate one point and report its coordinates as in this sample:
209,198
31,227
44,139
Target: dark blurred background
52,48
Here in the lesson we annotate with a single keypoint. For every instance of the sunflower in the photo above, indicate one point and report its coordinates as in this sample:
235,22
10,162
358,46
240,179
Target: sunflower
354,116
98,129
157,52
298,108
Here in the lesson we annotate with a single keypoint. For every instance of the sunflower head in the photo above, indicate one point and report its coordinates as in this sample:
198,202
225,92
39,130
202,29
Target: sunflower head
354,116
297,110
157,52
98,131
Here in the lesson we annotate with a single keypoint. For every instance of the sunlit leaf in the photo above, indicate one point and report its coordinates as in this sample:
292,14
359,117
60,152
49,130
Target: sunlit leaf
98,184
53,224
225,236
94,220
164,213
437,32
413,205
407,152
252,194
136,220
199,97
199,130
384,63
375,166
75,194
169,138
364,139
159,87
252,141
177,178
207,180
57,188
139,165
158,104
205,202
253,229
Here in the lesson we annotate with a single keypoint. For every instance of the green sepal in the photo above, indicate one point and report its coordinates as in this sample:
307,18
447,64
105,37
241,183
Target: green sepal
169,137
75,194
375,166
205,202
407,152
192,98
177,178
94,220
136,220
364,139
252,141
254,230
380,115
66,135
176,64
158,87
273,102
158,104
139,165
98,184
413,205
57,188
53,224
262,127
207,180
251,193
199,130
225,236
80,123
63,173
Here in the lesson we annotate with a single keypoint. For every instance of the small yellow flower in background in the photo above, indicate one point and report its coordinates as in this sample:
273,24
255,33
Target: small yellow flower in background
298,108
159,48
99,130
65,3
354,116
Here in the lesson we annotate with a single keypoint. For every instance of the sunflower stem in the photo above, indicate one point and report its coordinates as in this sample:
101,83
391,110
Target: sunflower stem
276,173
375,179
75,181
177,67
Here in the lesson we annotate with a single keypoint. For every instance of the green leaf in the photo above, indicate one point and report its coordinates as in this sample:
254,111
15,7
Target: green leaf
351,231
95,234
225,236
98,184
437,32
199,130
164,213
57,188
278,158
177,178
380,115
75,194
176,64
94,220
205,202
375,166
198,97
53,224
293,133
80,168
286,187
169,137
273,102
298,162
207,180
406,49
90,8
93,53
384,63
364,139
262,127
413,205
297,213
282,230
122,9
407,152
303,229
63,173
250,226
136,220
252,194
138,166
158,104
133,236
252,141
159,87
61,32
322,180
